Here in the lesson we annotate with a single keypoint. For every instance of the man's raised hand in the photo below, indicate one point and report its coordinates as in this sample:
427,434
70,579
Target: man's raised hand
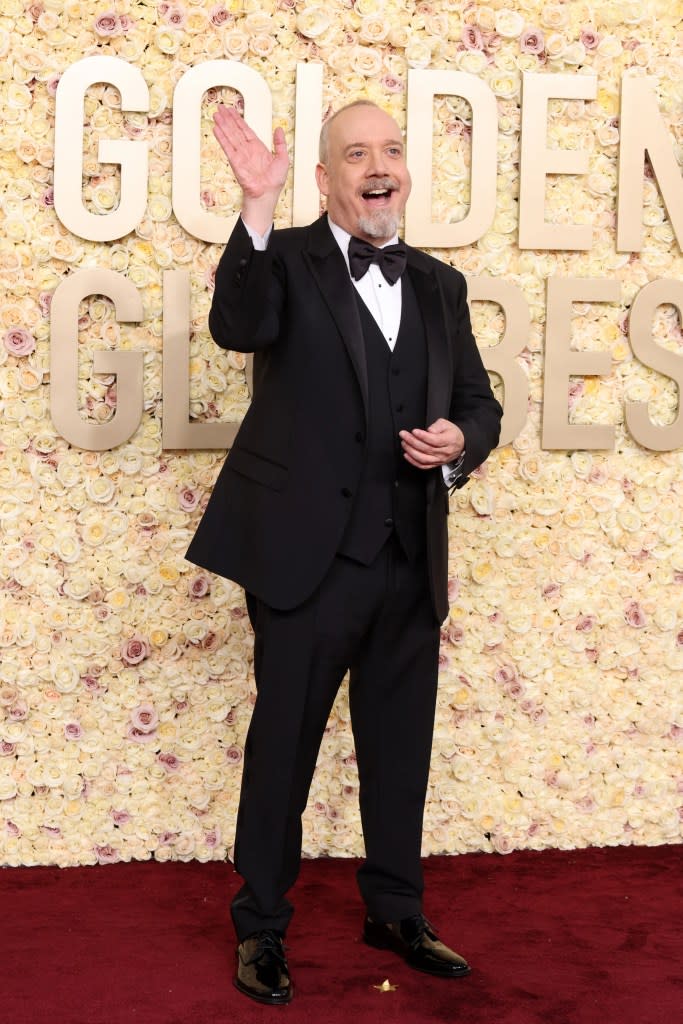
260,172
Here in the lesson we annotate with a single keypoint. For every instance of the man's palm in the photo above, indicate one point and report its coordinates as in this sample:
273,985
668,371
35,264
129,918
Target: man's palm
257,170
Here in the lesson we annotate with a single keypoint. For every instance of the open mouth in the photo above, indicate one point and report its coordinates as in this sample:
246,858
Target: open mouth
378,195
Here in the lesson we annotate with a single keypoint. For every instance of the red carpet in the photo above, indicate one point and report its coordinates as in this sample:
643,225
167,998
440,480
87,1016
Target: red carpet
581,937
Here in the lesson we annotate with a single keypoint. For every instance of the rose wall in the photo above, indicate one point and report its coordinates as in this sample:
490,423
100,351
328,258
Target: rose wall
126,678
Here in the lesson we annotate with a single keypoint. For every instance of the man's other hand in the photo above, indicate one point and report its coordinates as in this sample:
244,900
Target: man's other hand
438,445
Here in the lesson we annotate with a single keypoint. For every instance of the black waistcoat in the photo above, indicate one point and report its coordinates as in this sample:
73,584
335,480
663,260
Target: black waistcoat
391,496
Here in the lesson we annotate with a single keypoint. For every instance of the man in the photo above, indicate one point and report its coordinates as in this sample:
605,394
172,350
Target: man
370,399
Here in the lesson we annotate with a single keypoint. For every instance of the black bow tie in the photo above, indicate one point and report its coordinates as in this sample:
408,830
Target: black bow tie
391,259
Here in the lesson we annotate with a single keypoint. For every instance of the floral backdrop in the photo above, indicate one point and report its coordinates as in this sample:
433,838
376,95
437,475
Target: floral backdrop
125,673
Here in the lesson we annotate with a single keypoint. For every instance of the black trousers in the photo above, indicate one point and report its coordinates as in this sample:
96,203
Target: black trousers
378,622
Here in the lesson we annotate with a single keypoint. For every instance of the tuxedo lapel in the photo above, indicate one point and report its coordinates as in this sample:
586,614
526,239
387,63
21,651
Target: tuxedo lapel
429,300
328,267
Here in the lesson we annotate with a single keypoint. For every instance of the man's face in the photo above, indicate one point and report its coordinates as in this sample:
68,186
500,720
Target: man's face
365,178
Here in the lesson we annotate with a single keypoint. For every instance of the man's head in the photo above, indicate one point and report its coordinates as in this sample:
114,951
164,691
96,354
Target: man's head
362,171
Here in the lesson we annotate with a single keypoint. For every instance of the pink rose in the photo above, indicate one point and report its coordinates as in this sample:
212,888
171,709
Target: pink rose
211,642
135,650
12,829
173,14
532,41
589,37
108,24
213,837
188,499
233,755
218,15
73,730
472,37
19,341
6,748
137,736
120,817
634,615
391,83
505,674
144,718
170,762
106,854
200,585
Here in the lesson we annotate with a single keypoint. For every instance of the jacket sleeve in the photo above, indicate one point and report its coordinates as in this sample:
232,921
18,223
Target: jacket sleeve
249,295
473,405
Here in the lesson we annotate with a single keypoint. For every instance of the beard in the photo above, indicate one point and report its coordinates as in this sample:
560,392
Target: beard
379,224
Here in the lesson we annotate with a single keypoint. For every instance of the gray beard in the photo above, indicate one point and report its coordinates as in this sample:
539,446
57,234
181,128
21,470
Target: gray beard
380,224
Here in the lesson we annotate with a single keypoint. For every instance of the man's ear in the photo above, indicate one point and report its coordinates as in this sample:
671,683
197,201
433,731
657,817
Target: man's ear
322,179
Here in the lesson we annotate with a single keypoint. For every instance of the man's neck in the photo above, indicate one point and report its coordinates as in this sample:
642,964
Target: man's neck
342,236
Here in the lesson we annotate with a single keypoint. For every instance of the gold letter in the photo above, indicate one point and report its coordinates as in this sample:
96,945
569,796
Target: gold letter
562,362
96,437
177,430
643,131
132,156
187,106
308,120
537,161
419,227
501,358
646,349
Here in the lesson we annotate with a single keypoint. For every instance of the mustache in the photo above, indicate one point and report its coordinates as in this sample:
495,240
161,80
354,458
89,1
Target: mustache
386,184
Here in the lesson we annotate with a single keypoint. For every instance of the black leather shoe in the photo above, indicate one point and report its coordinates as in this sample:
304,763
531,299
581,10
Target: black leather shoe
262,971
415,940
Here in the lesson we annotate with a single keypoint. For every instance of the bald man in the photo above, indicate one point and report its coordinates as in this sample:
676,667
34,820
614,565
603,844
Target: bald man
370,403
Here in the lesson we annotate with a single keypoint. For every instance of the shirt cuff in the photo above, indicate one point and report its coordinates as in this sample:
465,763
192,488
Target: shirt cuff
260,242
452,471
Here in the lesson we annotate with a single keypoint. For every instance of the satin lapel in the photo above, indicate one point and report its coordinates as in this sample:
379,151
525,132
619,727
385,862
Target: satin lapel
423,279
330,274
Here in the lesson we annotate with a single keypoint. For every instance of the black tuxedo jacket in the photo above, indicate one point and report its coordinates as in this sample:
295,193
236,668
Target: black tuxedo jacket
281,503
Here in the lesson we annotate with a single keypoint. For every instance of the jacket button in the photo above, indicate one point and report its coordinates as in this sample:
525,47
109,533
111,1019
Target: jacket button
388,521
395,371
243,262
345,492
359,437
399,407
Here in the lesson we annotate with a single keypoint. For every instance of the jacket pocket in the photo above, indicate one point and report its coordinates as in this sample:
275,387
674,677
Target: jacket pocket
256,467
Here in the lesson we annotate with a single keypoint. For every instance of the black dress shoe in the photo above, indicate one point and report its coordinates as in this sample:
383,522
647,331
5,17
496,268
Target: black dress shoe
262,971
415,940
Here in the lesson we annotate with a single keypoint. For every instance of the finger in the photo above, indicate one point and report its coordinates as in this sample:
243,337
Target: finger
419,465
423,440
420,457
279,141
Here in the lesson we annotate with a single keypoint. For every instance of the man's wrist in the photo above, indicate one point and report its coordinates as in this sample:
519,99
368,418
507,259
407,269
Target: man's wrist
259,239
258,213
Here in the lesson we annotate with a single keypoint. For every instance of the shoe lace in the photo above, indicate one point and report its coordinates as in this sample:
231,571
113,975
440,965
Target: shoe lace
418,925
270,946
